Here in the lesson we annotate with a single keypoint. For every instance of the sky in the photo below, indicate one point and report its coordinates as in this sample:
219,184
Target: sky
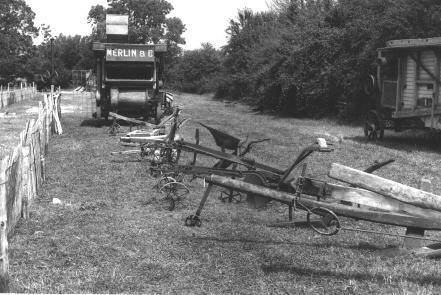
205,20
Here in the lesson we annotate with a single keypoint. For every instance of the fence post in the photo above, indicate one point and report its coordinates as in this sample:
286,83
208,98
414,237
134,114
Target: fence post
8,94
4,260
1,96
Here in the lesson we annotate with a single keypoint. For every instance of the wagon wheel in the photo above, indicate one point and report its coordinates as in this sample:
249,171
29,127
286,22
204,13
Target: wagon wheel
329,223
176,194
374,126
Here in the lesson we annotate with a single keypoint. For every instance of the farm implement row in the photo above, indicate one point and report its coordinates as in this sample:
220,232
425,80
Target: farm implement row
364,197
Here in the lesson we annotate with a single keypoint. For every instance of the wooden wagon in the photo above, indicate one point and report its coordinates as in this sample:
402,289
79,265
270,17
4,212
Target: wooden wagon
407,87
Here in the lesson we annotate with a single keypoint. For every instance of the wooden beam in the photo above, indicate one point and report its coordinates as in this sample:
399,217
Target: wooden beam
426,112
131,120
391,218
386,187
363,197
4,260
242,186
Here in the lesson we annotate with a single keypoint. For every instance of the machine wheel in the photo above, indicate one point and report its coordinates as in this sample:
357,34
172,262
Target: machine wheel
374,126
329,224
193,220
253,200
176,192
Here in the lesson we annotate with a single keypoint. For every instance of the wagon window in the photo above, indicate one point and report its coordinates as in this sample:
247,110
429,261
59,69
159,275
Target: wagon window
390,69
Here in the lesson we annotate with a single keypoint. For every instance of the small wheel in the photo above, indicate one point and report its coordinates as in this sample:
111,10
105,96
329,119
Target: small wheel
193,220
329,223
176,193
163,181
114,129
374,126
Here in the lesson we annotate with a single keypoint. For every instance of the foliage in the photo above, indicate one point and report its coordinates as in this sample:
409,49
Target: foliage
197,71
148,23
16,32
304,57
70,53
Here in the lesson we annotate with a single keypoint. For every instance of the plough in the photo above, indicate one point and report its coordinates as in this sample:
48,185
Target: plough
365,197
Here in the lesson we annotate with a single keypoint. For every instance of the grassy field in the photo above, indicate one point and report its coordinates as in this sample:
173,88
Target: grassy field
111,234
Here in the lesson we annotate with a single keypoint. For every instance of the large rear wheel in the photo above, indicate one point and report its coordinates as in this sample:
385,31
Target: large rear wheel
374,126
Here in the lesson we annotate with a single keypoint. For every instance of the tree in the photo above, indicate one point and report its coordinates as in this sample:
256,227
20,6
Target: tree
197,71
16,32
148,21
305,56
97,17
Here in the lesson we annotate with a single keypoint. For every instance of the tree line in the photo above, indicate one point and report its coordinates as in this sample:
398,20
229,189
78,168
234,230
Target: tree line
21,59
305,58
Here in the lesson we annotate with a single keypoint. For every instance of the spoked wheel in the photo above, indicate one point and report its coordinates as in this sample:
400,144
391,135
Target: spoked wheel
114,129
328,225
176,192
163,181
374,126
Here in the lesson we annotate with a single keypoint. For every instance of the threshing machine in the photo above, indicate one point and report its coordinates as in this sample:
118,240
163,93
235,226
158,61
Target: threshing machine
407,87
129,76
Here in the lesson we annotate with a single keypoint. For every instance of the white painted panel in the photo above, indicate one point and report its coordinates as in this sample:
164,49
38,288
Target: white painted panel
428,60
408,93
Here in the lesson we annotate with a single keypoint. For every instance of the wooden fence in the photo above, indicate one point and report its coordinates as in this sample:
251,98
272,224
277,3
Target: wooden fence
22,174
10,95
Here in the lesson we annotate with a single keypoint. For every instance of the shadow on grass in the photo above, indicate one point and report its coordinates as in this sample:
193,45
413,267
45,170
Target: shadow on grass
322,245
406,141
97,123
359,276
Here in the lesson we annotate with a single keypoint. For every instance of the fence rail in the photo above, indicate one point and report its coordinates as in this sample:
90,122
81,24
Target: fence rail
22,174
10,96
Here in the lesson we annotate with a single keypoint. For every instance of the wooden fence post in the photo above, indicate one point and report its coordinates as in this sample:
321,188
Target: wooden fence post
7,96
26,180
4,260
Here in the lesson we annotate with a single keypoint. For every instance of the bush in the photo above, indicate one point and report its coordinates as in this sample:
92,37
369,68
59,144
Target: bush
304,58
196,71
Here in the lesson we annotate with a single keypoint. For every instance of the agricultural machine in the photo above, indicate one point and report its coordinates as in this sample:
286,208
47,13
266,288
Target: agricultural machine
129,76
356,194
406,89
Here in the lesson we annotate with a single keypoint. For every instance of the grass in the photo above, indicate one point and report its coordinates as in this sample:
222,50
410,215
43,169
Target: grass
111,234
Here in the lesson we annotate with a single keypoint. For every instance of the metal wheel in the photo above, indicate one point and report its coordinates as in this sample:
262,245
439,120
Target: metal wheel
163,181
329,223
193,220
374,126
114,129
176,192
